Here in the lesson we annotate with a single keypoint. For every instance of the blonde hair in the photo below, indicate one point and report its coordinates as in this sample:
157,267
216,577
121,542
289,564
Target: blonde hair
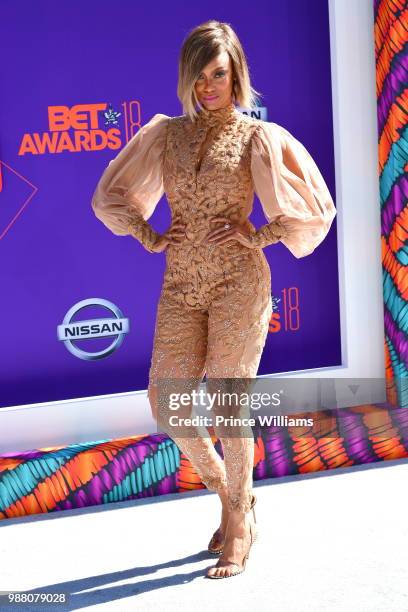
199,48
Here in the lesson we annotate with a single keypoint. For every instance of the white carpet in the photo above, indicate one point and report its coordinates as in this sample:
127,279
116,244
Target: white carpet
331,542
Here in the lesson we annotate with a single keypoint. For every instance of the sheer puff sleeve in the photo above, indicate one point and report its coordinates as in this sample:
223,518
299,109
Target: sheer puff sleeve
132,184
294,196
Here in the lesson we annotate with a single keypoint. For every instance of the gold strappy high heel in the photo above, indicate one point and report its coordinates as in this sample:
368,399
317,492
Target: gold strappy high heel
241,568
216,543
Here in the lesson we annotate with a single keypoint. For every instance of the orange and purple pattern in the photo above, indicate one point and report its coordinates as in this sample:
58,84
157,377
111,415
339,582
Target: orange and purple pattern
61,478
391,52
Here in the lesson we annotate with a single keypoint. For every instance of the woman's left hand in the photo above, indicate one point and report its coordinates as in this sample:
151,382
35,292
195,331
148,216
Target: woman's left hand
235,231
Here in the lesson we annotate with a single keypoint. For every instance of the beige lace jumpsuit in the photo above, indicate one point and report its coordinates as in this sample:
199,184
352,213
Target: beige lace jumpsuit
215,304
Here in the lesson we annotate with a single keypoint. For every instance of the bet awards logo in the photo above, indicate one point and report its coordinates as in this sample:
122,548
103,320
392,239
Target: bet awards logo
83,127
71,331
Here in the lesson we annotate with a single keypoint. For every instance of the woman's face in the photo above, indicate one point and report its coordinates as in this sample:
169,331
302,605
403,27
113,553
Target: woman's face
214,85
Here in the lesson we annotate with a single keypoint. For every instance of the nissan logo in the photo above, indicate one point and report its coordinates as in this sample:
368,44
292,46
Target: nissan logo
70,330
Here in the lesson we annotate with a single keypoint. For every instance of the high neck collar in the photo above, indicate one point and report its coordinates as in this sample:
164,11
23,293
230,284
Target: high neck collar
218,117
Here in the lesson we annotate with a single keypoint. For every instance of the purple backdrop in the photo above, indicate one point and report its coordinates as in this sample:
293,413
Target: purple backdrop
55,253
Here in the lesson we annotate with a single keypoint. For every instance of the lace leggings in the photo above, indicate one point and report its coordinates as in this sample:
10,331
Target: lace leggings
223,338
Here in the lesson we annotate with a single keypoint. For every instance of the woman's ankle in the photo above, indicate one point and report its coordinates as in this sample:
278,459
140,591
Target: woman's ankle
237,521
223,495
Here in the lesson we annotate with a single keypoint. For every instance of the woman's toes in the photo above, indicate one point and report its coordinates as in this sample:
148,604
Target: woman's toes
220,570
214,571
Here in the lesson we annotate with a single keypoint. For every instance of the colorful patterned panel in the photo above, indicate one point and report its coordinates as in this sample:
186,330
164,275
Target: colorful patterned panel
57,478
391,53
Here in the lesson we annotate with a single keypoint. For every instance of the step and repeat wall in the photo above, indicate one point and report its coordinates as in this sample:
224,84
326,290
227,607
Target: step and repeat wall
78,302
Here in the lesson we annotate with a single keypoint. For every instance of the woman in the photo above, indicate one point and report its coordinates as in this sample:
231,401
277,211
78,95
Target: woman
215,304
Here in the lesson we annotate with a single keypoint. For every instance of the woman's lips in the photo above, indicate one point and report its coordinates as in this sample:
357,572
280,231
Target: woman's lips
210,98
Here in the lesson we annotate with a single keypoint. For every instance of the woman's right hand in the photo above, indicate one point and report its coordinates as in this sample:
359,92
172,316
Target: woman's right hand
174,235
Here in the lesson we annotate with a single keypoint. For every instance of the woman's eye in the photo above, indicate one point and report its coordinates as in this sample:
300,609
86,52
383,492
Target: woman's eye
217,74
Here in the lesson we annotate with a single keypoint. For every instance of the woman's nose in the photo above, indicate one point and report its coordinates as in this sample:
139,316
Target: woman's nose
209,86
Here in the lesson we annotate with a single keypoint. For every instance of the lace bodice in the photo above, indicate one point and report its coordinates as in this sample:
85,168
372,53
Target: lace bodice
213,166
